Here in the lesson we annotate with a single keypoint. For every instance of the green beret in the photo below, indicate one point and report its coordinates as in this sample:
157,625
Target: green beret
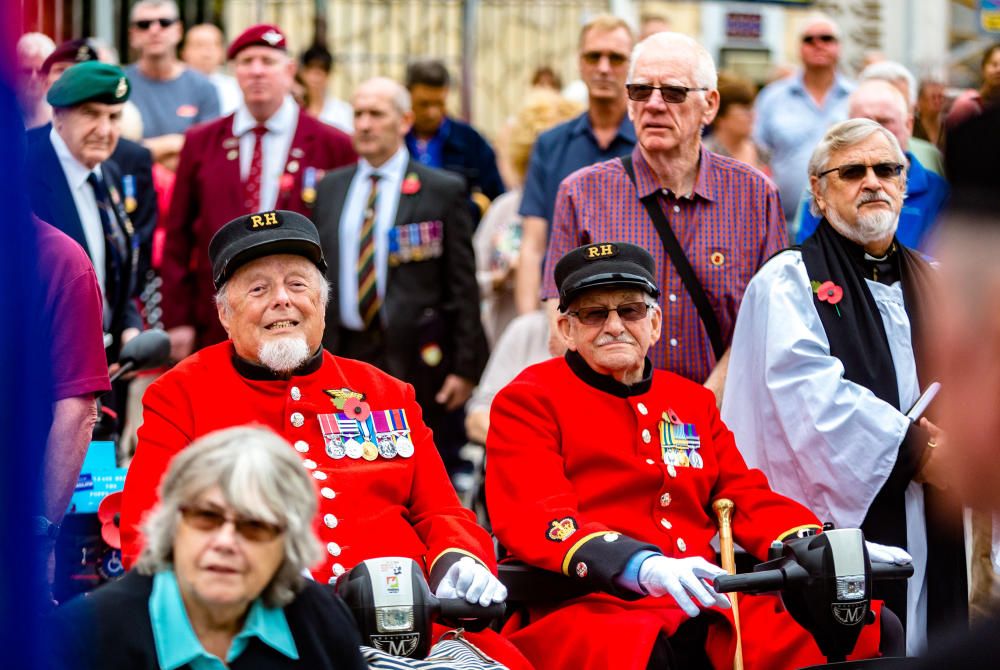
92,81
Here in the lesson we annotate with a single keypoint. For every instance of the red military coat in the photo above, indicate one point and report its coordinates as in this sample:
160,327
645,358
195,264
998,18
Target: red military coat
208,193
384,507
584,472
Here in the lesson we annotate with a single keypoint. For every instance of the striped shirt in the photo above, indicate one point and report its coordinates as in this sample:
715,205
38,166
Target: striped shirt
729,226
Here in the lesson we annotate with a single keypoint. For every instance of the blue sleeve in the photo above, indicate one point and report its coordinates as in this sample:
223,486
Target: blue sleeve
806,221
533,200
629,577
209,107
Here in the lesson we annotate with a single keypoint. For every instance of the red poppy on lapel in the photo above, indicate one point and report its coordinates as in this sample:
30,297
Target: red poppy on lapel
411,184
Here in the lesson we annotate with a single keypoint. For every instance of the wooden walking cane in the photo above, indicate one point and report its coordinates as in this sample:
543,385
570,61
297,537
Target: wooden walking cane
724,510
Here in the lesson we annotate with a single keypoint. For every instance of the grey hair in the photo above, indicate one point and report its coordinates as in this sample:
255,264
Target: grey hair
35,44
170,4
221,297
892,72
843,135
814,18
704,74
260,476
400,97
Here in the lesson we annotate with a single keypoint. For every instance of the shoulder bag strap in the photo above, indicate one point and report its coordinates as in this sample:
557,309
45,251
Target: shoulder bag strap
681,263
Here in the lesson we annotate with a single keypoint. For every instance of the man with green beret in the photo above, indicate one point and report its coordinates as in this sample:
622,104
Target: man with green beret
72,184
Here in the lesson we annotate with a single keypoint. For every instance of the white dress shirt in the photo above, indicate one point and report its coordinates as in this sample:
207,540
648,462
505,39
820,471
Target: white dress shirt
390,181
823,440
277,141
85,201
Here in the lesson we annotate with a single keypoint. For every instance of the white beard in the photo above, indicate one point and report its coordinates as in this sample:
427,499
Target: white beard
869,226
283,354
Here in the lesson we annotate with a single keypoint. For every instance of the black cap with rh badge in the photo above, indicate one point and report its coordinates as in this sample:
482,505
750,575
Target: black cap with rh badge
604,265
254,236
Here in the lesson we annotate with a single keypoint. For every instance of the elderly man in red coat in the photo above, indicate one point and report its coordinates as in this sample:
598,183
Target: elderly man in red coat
381,485
605,470
268,154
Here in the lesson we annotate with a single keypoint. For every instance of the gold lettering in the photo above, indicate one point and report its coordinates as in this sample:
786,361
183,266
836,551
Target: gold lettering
606,250
271,219
256,221
593,252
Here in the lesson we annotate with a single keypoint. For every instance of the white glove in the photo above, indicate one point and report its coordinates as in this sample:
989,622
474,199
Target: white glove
880,553
683,578
469,579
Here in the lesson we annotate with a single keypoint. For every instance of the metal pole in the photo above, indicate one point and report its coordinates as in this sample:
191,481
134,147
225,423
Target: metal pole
470,14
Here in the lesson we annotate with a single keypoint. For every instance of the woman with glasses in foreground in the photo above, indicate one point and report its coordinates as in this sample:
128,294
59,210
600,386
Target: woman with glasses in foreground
220,580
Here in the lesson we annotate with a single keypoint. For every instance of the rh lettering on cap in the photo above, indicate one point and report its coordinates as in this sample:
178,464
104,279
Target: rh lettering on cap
265,220
601,251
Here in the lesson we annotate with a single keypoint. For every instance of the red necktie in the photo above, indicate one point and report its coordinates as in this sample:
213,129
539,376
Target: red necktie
251,188
368,302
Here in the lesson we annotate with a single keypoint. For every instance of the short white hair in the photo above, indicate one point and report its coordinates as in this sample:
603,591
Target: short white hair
678,45
843,135
892,72
814,18
261,476
35,45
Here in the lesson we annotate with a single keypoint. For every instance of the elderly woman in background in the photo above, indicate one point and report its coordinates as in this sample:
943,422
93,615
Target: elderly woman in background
220,580
497,240
733,125
972,103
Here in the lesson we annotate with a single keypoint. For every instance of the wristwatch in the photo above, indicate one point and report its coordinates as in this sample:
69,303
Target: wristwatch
44,528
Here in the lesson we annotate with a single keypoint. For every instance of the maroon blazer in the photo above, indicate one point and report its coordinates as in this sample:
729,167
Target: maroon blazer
208,193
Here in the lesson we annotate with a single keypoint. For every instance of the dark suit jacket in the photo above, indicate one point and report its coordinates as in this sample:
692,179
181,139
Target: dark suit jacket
208,193
110,629
136,161
52,201
427,302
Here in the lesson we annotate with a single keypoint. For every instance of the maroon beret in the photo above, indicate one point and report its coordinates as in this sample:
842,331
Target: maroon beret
261,35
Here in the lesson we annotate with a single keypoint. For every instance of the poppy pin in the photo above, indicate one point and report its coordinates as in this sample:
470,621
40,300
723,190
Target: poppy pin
411,184
828,292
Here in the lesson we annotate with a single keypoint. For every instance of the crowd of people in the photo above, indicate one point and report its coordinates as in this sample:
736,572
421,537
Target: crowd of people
681,290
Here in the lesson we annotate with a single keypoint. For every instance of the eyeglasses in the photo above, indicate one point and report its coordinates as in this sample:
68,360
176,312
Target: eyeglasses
672,94
146,24
857,171
614,58
208,519
628,311
813,39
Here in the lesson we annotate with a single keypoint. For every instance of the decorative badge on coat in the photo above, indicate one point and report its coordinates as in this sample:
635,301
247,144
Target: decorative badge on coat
416,242
679,442
366,433
561,529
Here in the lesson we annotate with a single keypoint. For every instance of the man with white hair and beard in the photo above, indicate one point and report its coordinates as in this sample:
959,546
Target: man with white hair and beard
382,488
823,372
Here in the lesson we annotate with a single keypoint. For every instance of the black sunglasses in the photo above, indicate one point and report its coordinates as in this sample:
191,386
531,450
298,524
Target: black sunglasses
813,39
857,171
594,57
146,24
208,519
672,94
629,311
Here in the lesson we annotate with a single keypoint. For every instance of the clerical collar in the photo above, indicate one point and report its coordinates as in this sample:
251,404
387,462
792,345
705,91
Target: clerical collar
884,270
259,373
607,383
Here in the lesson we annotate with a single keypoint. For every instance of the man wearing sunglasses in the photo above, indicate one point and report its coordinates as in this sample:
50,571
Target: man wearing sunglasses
823,374
708,220
604,470
793,113
926,192
170,96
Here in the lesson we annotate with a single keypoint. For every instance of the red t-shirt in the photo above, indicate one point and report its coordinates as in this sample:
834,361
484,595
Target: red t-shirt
74,315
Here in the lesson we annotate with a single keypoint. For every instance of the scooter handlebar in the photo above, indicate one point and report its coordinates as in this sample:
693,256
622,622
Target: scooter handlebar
766,580
459,608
